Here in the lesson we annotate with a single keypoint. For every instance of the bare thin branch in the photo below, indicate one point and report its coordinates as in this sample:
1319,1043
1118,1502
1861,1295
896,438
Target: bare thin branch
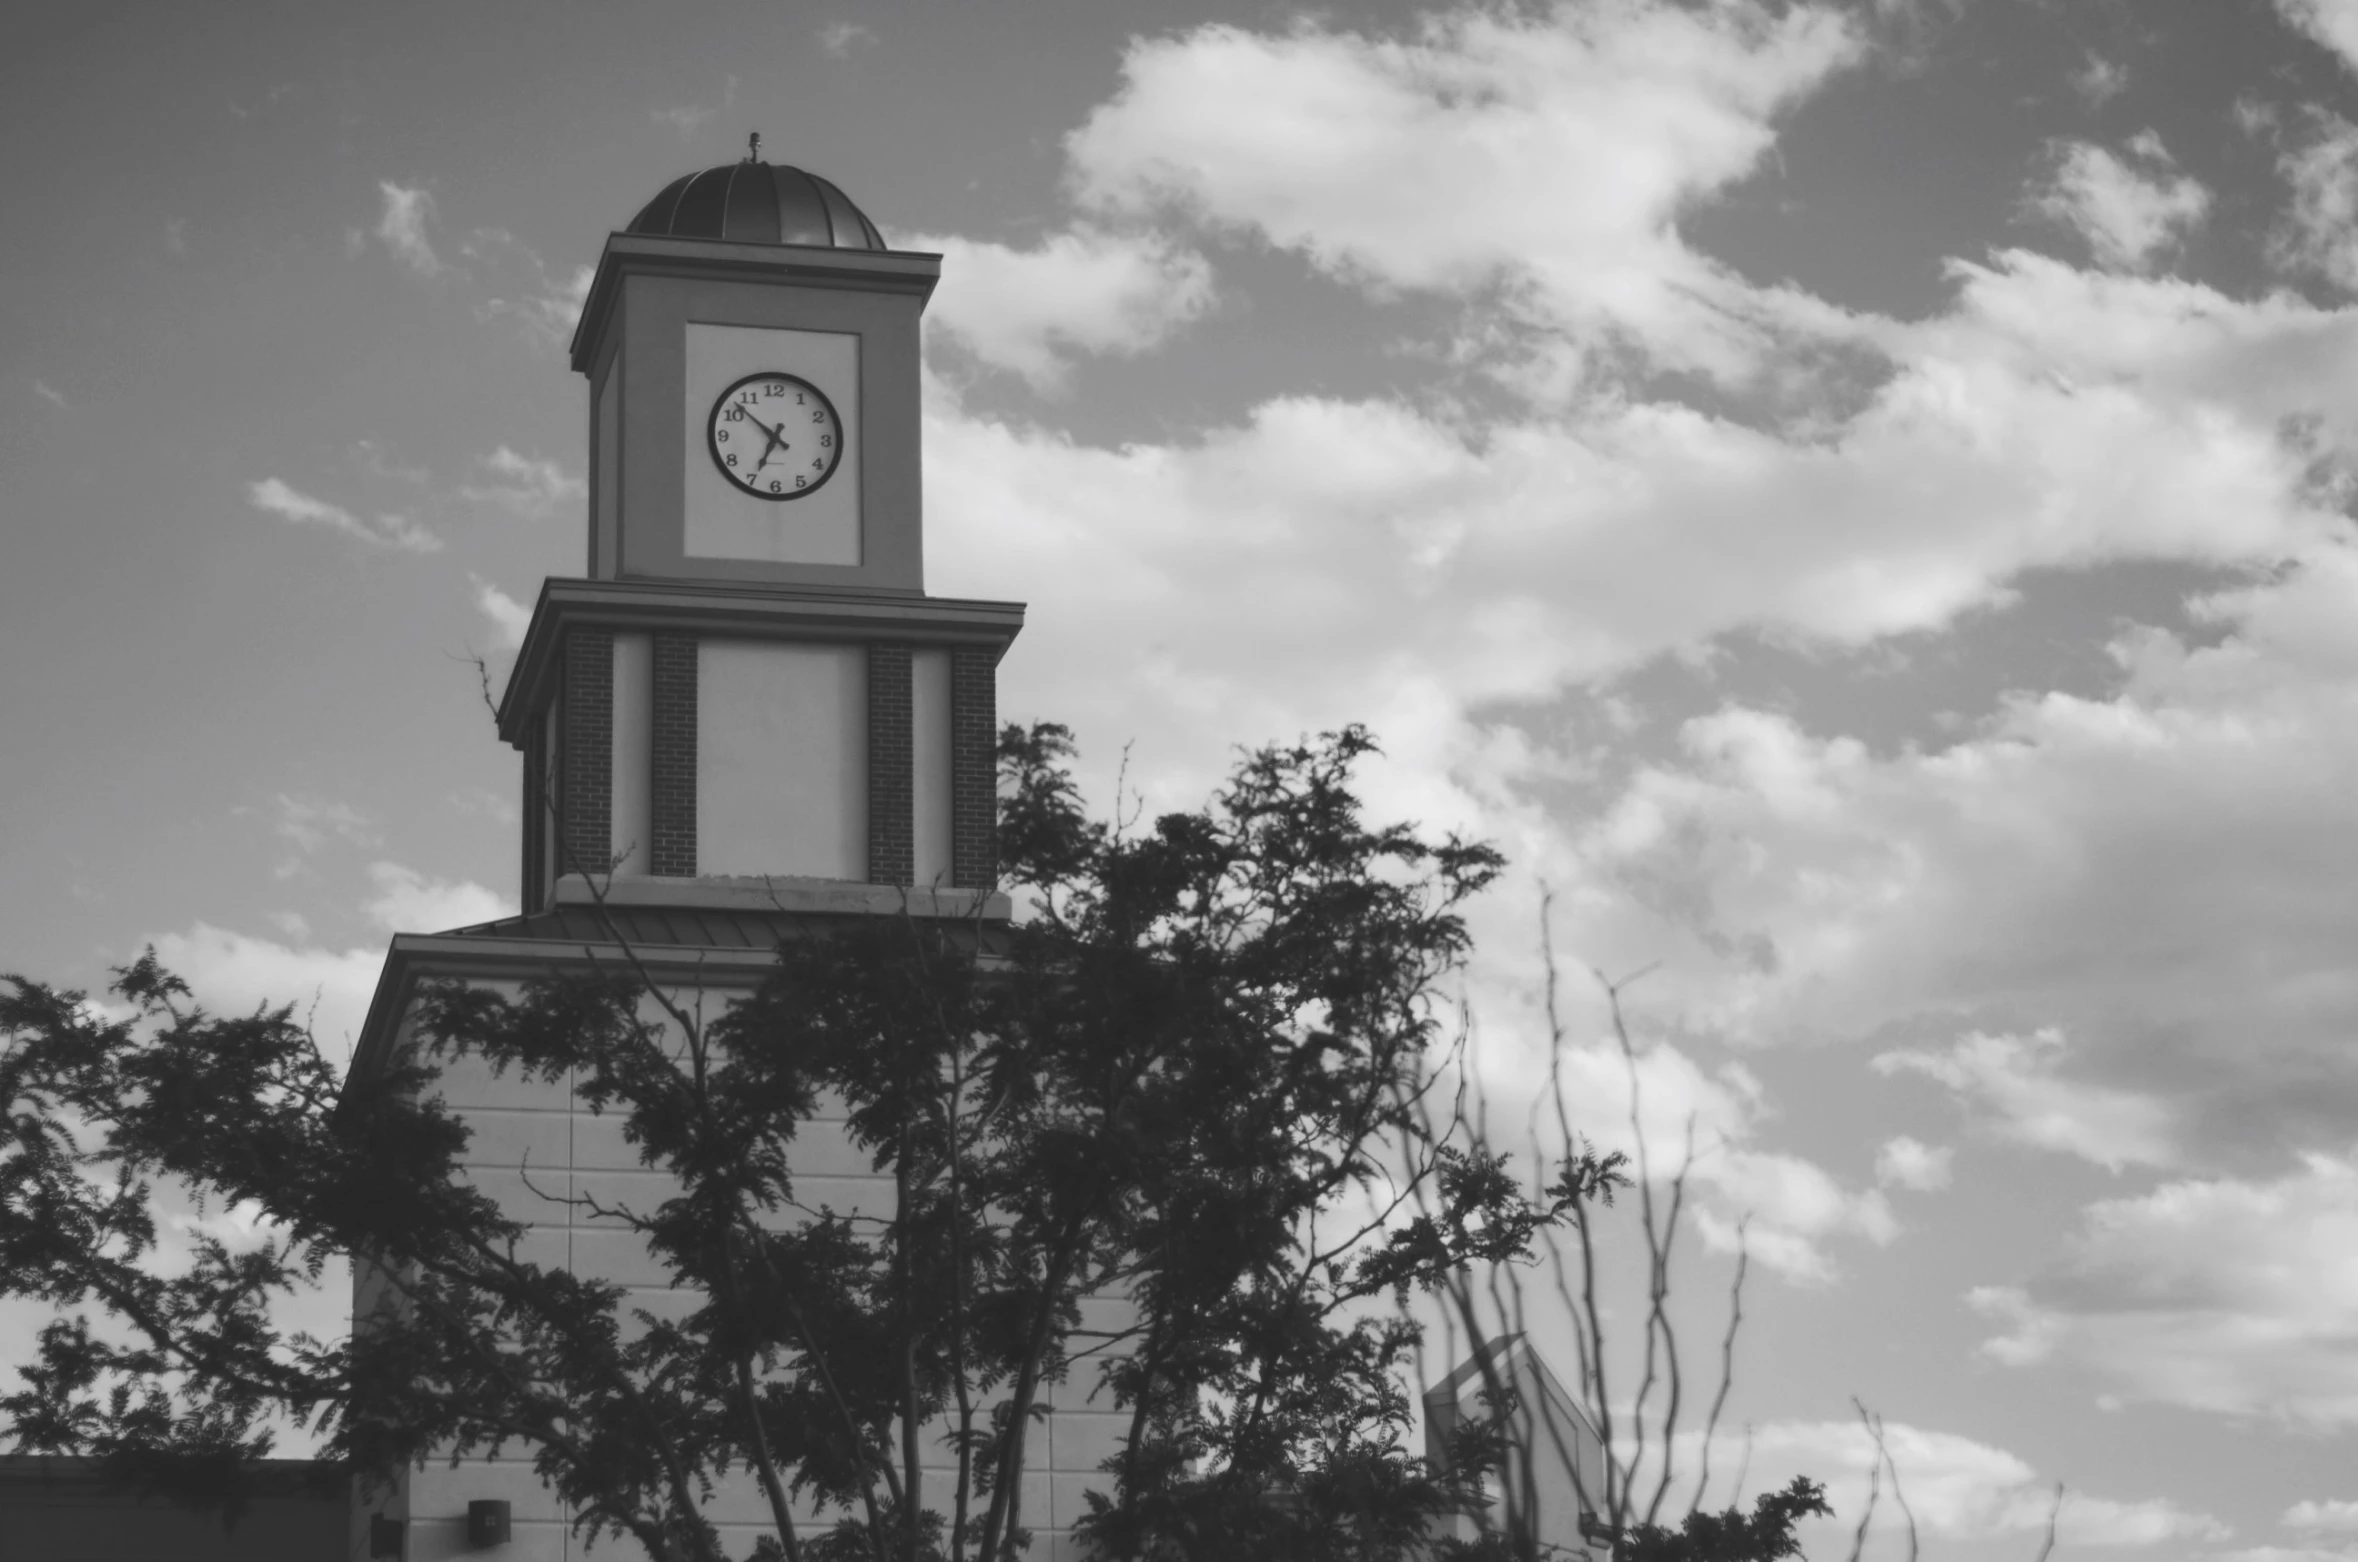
1727,1367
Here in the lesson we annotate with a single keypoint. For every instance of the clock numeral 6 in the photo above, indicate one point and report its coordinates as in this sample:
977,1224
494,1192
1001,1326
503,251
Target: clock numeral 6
775,487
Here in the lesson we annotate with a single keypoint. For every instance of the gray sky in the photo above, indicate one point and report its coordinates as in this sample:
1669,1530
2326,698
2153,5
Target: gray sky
1855,499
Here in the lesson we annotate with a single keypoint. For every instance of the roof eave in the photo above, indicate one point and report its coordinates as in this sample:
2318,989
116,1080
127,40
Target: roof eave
785,612
913,272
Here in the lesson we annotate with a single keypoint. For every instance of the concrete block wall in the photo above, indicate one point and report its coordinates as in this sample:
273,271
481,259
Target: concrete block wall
543,1157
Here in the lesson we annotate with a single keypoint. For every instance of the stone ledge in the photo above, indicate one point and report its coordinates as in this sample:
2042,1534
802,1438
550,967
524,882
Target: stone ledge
757,895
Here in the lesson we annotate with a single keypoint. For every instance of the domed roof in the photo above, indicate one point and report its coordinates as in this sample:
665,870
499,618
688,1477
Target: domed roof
753,202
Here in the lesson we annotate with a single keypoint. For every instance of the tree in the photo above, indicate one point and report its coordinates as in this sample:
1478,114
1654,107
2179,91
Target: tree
1551,1230
1190,1074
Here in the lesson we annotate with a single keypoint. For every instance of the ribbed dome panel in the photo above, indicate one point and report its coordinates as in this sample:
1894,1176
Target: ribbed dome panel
758,203
752,213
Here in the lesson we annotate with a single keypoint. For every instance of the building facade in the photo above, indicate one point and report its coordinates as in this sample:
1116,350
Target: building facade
746,714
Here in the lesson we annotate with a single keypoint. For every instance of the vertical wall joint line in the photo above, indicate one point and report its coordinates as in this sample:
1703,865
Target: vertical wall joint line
672,792
586,768
892,841
974,766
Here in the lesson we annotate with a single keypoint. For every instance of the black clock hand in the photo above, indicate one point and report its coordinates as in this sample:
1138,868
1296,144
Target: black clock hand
776,435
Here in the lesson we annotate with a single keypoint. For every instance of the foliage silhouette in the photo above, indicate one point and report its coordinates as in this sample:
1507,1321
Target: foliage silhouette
1187,1077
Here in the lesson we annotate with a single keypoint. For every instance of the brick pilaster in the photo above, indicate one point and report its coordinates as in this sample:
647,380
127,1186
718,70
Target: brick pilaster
672,799
974,766
892,840
586,767
536,829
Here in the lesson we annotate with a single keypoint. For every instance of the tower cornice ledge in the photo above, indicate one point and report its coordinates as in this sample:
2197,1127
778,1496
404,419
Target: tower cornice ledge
835,614
911,272
771,894
714,932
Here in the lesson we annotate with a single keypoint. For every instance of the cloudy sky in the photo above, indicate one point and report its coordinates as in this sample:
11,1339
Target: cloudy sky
1854,498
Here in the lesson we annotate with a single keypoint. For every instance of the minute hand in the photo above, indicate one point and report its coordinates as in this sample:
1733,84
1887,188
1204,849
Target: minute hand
777,436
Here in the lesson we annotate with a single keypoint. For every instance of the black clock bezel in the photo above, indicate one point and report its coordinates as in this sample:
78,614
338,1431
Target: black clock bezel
712,445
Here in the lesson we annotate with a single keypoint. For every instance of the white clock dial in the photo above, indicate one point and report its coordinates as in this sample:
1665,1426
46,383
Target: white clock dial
775,436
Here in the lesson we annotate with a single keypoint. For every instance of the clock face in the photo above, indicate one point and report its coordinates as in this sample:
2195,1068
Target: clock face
775,436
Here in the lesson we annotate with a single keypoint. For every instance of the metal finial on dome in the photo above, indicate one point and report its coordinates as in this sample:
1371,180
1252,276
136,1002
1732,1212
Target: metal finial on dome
753,147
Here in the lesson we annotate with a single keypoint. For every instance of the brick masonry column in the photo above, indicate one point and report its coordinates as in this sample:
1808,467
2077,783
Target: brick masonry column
672,799
974,766
536,830
586,767
892,806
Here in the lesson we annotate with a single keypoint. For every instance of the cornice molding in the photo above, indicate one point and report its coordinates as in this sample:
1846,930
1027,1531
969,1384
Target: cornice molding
836,614
909,272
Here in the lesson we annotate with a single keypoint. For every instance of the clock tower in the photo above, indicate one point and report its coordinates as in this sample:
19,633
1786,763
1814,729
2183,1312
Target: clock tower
746,715
750,688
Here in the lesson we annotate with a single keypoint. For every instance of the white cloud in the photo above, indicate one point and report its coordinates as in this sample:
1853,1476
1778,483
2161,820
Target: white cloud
2332,23
477,800
839,39
326,987
2168,861
509,617
550,307
2016,1078
397,532
1796,1206
402,226
2159,874
1083,291
1792,1208
309,823
51,394
529,486
2335,1513
1426,567
233,972
1549,151
2225,1295
371,456
1909,1163
2320,231
2128,214
408,902
1959,1489
2100,80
